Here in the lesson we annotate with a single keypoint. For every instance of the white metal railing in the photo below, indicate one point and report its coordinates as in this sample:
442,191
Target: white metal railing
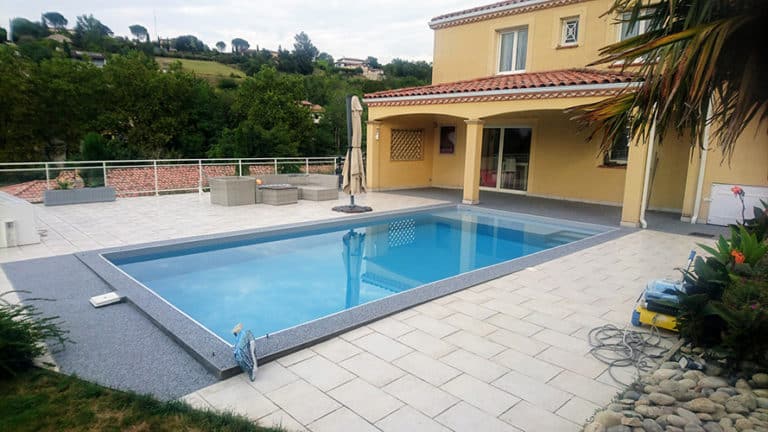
156,176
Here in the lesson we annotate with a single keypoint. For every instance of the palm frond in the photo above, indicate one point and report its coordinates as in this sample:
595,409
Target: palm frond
695,53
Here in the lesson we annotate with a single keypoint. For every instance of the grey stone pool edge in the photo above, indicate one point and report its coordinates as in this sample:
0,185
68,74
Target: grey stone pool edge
216,355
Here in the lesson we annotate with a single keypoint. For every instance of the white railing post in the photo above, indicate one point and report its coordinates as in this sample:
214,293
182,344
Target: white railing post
240,167
306,164
104,169
200,176
275,166
335,164
47,177
157,191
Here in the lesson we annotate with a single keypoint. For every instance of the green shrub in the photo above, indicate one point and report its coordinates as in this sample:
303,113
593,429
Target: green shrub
63,184
227,84
289,168
23,332
92,177
726,304
744,309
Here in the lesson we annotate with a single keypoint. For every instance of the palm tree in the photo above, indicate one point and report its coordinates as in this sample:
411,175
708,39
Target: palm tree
696,55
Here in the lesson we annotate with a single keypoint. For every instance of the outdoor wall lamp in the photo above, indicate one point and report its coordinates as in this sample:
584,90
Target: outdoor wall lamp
378,129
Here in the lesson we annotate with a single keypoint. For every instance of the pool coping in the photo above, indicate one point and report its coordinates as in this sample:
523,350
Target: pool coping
216,355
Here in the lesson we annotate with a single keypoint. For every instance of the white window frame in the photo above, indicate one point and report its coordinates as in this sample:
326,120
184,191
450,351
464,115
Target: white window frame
610,159
564,31
642,26
516,32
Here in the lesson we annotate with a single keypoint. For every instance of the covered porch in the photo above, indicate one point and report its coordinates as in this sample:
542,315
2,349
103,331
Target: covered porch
512,135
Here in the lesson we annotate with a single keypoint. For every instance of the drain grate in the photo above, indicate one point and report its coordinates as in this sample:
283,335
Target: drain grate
701,234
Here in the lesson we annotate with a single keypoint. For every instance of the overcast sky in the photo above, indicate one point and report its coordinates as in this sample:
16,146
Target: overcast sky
381,28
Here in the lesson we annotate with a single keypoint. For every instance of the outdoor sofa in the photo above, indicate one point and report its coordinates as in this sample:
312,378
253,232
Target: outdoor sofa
313,187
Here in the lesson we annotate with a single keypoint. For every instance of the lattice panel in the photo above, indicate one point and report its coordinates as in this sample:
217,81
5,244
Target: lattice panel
402,232
407,145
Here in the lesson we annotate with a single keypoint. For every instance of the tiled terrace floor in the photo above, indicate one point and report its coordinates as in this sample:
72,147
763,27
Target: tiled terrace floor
507,355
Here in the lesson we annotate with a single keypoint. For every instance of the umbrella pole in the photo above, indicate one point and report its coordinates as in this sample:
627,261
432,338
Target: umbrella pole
349,142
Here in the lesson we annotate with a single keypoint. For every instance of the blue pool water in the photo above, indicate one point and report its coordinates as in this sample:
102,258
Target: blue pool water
279,282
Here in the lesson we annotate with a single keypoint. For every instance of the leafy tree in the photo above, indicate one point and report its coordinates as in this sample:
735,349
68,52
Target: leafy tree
22,28
239,45
37,50
70,98
270,119
221,46
286,61
153,114
373,62
189,43
3,35
404,68
18,141
305,53
54,20
325,61
90,33
258,60
704,51
139,32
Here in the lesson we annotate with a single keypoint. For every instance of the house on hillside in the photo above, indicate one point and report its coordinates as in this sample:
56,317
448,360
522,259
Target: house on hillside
315,110
60,38
98,59
493,119
368,72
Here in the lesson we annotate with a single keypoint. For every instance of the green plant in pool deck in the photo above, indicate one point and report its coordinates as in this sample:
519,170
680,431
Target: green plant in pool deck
759,224
744,309
739,254
726,304
23,332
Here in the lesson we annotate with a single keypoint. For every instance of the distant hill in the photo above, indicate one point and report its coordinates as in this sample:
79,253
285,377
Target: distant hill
210,70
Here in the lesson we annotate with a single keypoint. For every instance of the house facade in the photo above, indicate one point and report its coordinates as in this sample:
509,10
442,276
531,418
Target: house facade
494,118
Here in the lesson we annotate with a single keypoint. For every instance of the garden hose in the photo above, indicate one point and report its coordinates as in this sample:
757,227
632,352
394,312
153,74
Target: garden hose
624,347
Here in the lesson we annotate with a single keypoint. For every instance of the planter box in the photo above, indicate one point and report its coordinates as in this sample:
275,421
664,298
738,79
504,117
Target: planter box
78,196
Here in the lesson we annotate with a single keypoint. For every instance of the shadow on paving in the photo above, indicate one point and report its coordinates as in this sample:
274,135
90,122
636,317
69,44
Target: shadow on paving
115,346
569,210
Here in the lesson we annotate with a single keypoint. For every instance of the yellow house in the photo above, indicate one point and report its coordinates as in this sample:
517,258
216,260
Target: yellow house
493,119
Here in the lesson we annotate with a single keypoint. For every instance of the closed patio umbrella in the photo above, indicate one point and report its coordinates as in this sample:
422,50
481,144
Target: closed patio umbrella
353,262
353,171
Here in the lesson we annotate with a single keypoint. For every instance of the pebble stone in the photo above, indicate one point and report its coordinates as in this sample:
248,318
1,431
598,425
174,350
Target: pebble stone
671,399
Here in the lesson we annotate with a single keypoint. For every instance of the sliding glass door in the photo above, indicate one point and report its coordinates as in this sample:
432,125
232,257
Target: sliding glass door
505,157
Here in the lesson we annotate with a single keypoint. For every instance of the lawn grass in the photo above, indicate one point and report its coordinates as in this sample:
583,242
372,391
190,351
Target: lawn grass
40,400
204,68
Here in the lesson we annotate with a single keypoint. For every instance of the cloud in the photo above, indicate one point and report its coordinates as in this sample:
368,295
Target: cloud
379,28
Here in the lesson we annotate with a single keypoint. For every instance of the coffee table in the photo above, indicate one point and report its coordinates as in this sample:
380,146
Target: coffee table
279,194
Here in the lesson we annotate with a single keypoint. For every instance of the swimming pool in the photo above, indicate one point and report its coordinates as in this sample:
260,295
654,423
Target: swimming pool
293,286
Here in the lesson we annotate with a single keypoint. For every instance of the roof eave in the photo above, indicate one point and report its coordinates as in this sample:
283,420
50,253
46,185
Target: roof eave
470,15
603,87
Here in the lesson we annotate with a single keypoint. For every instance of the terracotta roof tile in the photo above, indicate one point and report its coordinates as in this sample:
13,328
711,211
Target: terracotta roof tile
559,78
